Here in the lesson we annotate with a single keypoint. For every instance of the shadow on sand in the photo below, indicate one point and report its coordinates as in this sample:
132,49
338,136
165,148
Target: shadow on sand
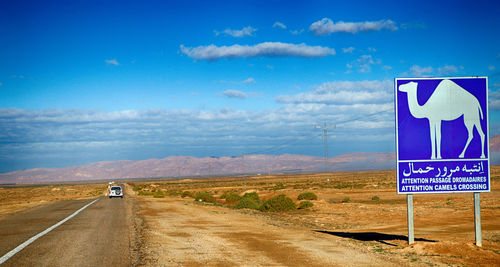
373,236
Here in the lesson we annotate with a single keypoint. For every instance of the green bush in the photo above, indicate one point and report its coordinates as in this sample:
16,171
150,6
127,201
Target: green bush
248,203
340,186
187,194
305,204
253,196
346,200
331,201
225,194
375,198
205,197
278,203
158,194
279,186
307,196
233,197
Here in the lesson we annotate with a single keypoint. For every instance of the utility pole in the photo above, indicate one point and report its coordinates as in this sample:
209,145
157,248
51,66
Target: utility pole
325,140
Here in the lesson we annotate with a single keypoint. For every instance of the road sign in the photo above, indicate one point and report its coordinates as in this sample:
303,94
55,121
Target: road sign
442,135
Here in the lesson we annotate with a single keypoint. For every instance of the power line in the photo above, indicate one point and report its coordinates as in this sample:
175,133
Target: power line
284,144
324,134
325,140
362,117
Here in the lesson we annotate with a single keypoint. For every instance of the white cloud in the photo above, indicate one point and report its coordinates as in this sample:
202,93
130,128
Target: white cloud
387,67
266,49
278,24
348,49
494,104
113,62
247,31
235,94
296,32
338,98
492,68
249,80
416,70
361,110
344,93
494,99
447,69
326,26
371,49
364,63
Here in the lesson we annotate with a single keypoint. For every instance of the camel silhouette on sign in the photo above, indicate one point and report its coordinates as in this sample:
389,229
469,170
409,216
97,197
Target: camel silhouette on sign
448,102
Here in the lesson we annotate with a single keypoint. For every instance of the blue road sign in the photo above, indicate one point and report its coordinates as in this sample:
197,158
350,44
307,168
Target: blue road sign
442,135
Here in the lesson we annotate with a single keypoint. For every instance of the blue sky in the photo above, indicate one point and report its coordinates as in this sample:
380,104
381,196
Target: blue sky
86,81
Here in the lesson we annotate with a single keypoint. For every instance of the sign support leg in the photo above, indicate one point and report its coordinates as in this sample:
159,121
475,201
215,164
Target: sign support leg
477,220
411,235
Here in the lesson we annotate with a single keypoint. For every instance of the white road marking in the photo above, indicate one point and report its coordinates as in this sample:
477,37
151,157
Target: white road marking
31,240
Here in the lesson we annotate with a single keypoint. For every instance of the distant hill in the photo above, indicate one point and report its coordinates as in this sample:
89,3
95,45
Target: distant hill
181,166
495,143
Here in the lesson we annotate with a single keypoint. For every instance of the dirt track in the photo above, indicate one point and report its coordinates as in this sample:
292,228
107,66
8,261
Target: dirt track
182,233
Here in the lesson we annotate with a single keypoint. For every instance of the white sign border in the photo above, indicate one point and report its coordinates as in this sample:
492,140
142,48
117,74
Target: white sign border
436,160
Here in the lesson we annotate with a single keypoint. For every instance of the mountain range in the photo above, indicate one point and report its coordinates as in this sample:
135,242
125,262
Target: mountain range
185,166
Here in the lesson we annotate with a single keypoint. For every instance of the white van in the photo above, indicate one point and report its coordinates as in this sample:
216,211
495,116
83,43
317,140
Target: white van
115,191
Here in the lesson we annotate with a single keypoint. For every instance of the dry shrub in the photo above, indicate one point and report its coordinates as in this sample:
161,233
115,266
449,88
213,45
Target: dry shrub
253,196
187,194
278,203
249,201
305,204
279,186
205,197
307,196
232,198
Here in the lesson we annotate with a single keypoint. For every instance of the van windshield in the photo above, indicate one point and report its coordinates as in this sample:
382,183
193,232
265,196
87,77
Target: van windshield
116,188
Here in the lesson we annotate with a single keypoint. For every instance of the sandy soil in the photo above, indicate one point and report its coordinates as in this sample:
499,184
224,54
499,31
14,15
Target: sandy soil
182,233
347,226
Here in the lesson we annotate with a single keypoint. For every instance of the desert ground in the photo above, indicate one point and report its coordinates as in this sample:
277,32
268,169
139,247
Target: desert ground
357,219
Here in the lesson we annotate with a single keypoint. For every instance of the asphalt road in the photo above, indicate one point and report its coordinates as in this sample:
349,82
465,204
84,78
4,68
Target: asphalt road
99,235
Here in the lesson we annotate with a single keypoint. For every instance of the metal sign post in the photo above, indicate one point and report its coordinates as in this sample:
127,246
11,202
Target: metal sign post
411,233
477,220
442,139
